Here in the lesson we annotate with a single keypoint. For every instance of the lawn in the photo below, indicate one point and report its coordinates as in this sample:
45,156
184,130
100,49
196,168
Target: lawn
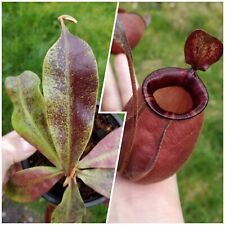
200,180
30,29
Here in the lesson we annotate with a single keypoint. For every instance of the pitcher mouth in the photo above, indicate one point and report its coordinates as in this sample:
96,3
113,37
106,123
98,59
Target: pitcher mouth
169,77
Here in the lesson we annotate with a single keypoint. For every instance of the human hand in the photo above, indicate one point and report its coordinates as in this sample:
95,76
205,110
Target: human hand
14,149
131,201
117,94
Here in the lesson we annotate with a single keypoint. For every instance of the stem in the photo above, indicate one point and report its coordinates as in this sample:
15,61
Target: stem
70,177
120,37
135,115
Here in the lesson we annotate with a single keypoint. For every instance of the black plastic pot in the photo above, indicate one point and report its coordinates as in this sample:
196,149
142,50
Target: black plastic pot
55,198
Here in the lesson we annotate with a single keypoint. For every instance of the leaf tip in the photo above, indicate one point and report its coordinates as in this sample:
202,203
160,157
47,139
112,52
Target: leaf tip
68,18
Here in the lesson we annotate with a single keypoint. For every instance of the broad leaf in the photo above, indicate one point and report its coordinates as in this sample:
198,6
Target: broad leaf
71,209
104,154
202,49
99,180
29,184
28,117
70,90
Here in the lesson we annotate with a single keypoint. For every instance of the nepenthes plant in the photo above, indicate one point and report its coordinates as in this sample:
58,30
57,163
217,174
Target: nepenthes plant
165,115
59,124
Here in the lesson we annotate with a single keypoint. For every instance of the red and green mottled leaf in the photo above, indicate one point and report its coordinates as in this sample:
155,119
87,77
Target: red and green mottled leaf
201,50
70,86
104,154
28,117
99,180
29,184
71,209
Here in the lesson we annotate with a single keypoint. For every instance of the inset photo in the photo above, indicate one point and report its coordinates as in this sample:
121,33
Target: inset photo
59,152
166,73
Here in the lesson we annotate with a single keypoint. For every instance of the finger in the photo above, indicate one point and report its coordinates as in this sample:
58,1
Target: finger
111,97
15,148
123,76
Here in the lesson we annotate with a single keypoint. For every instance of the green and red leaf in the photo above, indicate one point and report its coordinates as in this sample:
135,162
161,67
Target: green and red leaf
104,154
28,118
99,180
71,209
70,86
29,184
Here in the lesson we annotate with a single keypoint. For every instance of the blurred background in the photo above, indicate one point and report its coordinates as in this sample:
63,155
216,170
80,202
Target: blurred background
29,30
162,45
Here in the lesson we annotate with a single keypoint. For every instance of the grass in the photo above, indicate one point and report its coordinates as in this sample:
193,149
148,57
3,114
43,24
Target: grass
30,29
200,180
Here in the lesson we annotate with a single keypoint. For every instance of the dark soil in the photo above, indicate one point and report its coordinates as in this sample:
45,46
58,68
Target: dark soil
104,124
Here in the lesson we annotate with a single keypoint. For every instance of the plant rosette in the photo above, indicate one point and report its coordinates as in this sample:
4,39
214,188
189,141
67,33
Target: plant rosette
103,125
59,124
165,115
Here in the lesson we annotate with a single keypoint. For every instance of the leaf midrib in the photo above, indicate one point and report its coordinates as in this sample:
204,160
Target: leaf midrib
44,178
96,159
68,99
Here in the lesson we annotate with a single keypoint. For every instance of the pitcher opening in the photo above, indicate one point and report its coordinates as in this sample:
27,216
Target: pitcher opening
175,93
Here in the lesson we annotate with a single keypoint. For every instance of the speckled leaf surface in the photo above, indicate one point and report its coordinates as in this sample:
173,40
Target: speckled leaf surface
202,49
104,154
99,180
70,90
28,117
71,209
29,184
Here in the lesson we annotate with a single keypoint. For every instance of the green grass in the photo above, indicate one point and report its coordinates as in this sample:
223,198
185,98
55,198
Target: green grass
30,29
200,180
